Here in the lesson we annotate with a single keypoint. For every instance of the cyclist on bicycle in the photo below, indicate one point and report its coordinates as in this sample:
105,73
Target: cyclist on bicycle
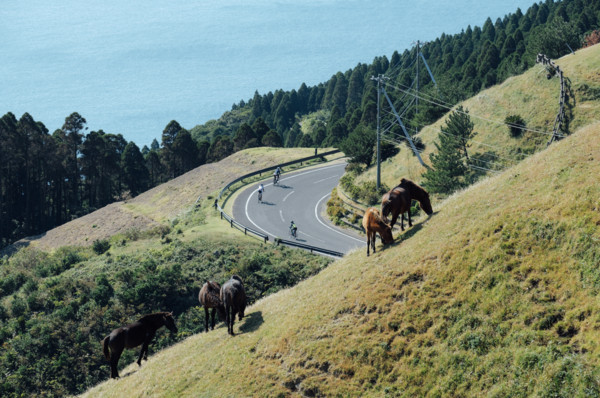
277,174
293,228
261,189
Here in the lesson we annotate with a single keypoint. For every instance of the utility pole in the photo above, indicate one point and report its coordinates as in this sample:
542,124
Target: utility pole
379,80
417,62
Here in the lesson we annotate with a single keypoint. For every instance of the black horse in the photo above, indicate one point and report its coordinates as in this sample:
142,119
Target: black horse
233,297
132,335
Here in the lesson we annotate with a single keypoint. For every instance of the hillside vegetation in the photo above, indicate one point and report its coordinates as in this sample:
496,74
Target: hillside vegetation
531,96
496,295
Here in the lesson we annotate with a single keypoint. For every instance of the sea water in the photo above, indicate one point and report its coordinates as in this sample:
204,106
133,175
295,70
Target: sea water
130,67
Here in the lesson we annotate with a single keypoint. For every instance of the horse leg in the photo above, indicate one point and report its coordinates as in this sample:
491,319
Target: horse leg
232,320
402,222
142,352
373,240
368,243
114,360
227,317
212,316
394,219
409,220
206,318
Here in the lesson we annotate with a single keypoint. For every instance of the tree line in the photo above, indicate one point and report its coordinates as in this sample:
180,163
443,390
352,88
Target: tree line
463,64
49,179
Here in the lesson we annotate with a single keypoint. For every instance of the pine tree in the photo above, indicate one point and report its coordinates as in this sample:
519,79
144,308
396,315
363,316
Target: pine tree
450,164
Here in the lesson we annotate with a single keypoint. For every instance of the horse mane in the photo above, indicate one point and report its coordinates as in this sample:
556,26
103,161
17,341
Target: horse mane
237,278
152,317
411,186
213,286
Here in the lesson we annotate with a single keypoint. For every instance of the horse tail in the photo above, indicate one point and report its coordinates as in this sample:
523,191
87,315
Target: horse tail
105,346
385,210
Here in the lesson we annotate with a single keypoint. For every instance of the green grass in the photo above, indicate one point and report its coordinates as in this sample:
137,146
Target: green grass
495,295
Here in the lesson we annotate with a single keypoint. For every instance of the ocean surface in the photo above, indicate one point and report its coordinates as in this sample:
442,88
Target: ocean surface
130,67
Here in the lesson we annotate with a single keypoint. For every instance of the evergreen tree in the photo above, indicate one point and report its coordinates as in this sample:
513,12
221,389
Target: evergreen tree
243,136
260,128
450,169
135,173
359,145
203,147
272,139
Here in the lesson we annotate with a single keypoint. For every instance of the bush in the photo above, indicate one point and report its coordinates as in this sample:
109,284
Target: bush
101,246
515,124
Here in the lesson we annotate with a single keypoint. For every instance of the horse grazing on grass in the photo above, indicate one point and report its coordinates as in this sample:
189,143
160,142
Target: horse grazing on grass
233,297
374,224
210,298
398,201
132,335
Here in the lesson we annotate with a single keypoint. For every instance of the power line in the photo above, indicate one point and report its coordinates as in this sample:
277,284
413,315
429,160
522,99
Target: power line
474,114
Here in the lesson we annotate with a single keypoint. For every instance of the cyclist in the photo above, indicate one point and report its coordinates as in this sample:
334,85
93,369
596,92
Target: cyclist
261,189
293,229
276,175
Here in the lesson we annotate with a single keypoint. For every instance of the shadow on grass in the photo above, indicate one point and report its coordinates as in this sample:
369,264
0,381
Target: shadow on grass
252,322
411,231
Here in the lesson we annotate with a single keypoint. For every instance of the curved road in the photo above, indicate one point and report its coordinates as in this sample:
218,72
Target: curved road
300,196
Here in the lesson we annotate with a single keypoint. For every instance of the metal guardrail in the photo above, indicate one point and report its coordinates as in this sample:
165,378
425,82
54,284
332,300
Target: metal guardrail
265,237
308,247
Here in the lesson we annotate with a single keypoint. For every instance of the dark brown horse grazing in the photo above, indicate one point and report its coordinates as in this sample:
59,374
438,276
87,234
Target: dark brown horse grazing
210,297
132,335
233,297
398,201
373,225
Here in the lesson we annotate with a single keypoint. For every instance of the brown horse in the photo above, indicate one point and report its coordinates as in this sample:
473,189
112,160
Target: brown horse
398,201
209,298
132,335
373,224
233,297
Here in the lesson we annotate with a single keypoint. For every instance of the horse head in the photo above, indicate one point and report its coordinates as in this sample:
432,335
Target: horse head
418,193
386,234
170,321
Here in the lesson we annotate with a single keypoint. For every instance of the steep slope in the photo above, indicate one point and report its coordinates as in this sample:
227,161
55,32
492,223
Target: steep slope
531,96
496,294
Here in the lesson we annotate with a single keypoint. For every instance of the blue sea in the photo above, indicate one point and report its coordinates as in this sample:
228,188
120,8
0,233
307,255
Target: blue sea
130,67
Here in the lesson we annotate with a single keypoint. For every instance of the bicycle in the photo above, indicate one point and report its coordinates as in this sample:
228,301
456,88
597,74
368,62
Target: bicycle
275,179
260,196
294,232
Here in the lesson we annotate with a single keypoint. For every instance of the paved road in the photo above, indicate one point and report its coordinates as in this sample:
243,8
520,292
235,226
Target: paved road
300,196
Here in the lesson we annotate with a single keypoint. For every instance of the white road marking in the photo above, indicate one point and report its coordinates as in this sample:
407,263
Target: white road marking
287,178
281,216
327,226
324,179
286,196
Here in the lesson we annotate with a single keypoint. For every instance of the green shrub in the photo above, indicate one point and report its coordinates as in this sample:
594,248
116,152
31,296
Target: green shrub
101,246
515,124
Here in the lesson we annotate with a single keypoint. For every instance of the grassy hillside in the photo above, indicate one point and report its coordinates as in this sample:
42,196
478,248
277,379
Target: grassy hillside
496,295
531,96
